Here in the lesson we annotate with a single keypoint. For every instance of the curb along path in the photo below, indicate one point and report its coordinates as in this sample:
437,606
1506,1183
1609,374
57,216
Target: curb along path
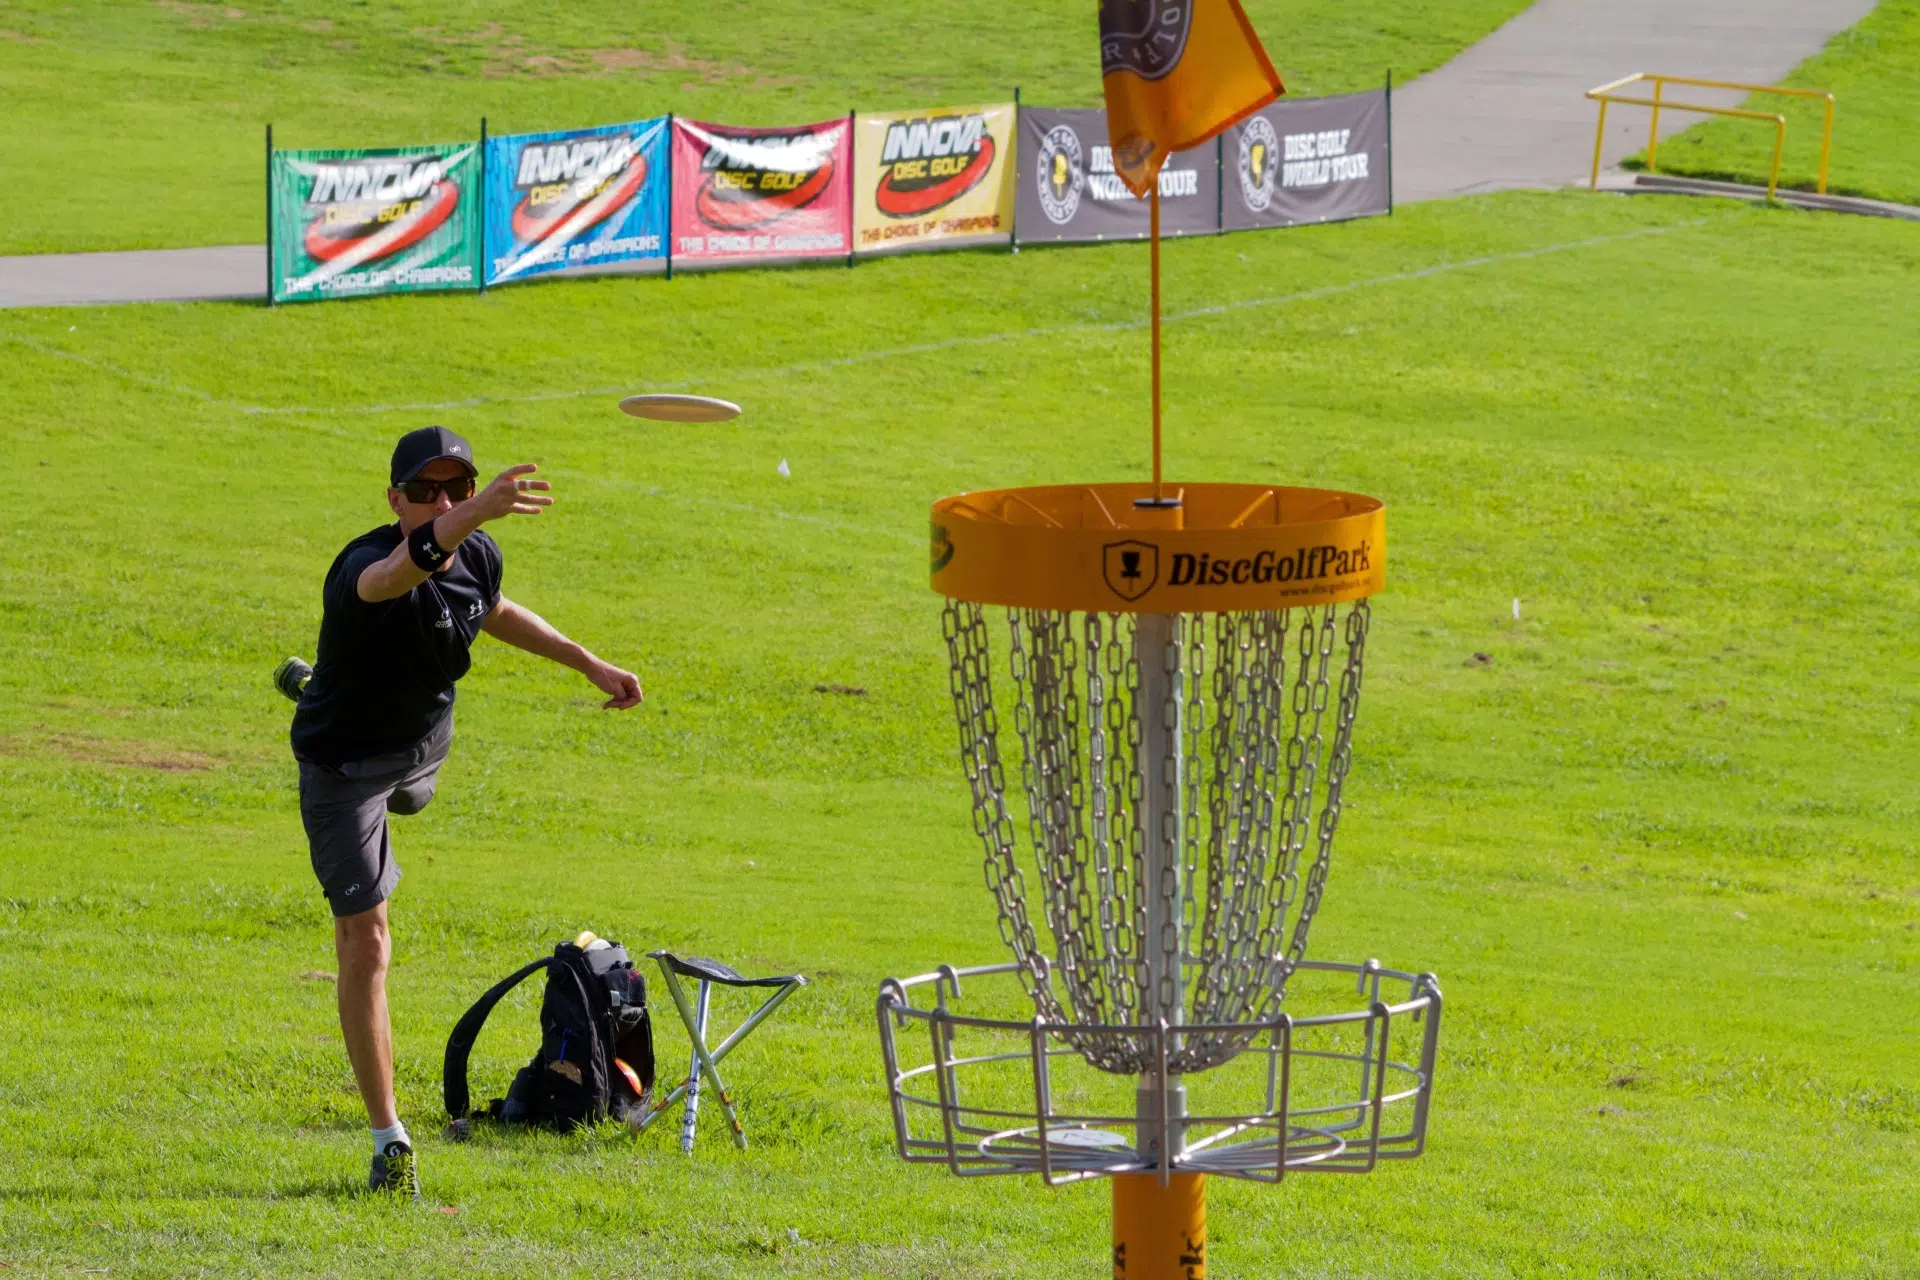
1508,112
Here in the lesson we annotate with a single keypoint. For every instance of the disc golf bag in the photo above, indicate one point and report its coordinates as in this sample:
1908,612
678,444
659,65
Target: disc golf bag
594,1011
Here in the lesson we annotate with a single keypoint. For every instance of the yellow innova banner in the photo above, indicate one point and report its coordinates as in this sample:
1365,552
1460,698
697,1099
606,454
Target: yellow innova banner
927,179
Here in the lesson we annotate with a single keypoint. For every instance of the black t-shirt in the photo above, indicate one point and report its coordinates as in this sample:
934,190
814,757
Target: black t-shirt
383,679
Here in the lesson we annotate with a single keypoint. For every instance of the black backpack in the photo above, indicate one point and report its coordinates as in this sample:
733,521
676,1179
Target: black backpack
594,1011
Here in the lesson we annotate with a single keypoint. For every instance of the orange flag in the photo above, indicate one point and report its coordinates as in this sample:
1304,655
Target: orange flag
1176,72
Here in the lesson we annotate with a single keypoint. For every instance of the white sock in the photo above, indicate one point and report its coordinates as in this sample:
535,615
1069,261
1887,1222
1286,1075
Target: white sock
396,1132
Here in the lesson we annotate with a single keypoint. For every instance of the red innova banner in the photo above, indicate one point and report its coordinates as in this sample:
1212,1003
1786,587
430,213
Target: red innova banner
741,195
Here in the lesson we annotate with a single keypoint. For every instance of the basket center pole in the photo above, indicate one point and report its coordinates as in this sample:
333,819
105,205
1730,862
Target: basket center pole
1161,1099
1153,259
1160,1233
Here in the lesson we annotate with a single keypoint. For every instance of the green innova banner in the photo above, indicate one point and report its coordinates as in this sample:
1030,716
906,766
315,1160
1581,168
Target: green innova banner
398,220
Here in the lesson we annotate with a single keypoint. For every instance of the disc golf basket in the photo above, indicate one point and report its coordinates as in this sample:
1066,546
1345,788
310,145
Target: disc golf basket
1181,675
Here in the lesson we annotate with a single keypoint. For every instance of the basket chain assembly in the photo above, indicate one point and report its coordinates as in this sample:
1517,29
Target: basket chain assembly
1242,769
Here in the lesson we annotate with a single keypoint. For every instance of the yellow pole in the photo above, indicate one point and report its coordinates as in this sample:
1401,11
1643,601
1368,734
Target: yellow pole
1826,146
1160,1233
1153,257
1653,134
1779,148
1599,136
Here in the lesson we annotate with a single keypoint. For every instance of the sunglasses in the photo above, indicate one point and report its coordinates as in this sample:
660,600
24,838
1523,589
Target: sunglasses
460,488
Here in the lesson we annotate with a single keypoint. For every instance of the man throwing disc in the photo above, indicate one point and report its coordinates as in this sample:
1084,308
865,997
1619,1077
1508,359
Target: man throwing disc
403,604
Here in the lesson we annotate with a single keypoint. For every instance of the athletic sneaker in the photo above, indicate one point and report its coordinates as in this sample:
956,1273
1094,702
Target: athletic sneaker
396,1170
291,676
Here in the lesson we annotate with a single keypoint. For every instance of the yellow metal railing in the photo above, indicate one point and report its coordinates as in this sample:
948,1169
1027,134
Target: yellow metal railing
1605,94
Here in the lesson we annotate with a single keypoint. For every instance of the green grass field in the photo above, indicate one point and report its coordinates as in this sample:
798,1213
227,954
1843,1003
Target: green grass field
1873,71
1660,849
161,104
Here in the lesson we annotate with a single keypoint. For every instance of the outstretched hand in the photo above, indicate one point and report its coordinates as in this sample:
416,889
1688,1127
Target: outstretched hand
511,493
622,686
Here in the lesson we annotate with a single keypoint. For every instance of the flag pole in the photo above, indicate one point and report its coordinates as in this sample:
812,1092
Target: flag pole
1153,259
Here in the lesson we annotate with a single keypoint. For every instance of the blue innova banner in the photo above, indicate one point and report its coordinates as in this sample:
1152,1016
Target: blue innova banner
581,198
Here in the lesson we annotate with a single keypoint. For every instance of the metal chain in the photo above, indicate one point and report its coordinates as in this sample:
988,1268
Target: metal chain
1357,621
1050,733
1249,772
970,682
1197,873
1109,655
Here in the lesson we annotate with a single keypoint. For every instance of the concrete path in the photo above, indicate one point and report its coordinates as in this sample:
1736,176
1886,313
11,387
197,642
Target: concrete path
144,275
1509,112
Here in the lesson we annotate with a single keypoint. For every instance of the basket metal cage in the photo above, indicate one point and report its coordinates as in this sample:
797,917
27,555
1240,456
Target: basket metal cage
1318,1092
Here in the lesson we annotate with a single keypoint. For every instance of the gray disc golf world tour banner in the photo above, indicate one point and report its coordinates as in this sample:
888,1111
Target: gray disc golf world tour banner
581,198
1068,190
1307,160
395,220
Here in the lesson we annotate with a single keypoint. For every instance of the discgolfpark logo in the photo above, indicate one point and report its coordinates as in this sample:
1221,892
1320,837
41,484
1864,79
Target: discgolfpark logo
1132,568
752,182
931,163
1060,170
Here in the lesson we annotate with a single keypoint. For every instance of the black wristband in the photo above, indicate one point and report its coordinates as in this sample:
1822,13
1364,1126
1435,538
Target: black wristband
425,549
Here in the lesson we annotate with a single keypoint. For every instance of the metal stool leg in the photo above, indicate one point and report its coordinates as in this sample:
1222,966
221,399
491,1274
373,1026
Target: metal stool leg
694,1016
710,1063
698,1028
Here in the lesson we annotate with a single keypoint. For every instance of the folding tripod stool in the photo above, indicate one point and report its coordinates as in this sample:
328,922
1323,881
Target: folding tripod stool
693,1013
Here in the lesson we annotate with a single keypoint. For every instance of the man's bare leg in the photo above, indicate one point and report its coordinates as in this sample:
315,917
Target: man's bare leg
361,943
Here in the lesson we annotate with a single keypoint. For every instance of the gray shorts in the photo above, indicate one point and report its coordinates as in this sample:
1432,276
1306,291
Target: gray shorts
345,811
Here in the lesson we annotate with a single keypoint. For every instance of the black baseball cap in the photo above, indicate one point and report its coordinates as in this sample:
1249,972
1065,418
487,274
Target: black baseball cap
429,444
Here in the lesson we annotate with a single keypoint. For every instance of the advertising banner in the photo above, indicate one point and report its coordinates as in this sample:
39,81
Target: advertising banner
397,220
1068,190
741,195
1309,160
933,179
583,198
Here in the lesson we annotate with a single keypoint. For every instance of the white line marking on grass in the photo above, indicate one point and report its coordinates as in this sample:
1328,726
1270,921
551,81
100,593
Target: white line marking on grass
889,353
824,522
1012,335
743,508
59,353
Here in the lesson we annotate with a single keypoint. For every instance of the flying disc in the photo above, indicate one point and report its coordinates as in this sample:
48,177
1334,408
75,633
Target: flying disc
678,408
1092,1139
